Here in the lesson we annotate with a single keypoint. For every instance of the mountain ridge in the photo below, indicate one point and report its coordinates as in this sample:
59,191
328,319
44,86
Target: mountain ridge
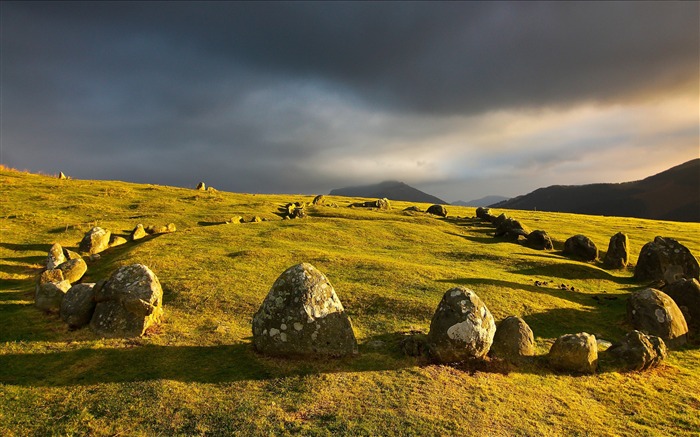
392,190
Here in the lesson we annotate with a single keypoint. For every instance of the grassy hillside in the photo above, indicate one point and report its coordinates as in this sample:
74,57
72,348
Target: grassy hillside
197,374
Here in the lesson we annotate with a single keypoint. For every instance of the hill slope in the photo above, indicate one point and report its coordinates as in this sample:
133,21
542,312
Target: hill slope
484,201
392,190
671,195
197,373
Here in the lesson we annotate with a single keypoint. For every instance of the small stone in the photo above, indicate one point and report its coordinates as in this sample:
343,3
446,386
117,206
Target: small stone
637,351
55,257
116,241
618,253
138,233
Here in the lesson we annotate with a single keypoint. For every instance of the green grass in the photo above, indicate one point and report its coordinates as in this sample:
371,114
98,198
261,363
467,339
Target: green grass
197,374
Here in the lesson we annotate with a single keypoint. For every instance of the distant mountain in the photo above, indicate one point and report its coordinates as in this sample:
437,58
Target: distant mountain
484,201
392,190
670,195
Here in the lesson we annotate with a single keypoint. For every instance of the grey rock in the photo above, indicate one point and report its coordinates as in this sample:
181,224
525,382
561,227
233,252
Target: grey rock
513,341
654,312
55,257
574,353
78,305
618,253
414,344
637,351
95,240
581,247
686,294
539,240
665,259
48,296
73,270
438,210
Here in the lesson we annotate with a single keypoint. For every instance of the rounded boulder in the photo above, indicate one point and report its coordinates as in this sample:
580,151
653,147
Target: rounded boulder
78,305
95,241
513,341
654,312
438,210
574,353
665,259
581,247
637,351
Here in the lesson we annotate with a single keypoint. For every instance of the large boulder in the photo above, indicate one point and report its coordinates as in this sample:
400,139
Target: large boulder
539,240
129,302
581,247
574,353
686,294
665,259
483,212
462,327
73,269
618,253
654,312
513,341
56,257
637,351
95,241
53,275
49,295
302,316
511,229
78,305
438,210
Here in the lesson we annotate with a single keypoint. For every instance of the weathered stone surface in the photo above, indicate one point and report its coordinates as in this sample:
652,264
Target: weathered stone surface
73,270
637,351
255,219
129,302
236,219
138,233
539,240
95,240
78,305
513,341
56,257
686,294
461,328
62,175
502,217
302,316
654,312
665,259
156,229
319,200
618,253
574,353
69,254
438,210
116,241
412,208
48,296
53,275
581,247
202,186
511,229
482,212
383,203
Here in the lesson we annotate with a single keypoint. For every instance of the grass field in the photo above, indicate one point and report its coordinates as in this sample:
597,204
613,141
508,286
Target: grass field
197,374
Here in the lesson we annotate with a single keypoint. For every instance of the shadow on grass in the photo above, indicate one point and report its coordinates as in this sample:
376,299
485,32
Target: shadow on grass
572,270
26,247
203,223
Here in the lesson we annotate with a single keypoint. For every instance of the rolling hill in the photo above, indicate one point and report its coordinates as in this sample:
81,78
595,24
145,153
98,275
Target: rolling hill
670,195
392,190
484,201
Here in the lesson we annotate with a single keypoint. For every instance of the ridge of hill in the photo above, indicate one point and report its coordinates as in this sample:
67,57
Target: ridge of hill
483,201
673,194
392,190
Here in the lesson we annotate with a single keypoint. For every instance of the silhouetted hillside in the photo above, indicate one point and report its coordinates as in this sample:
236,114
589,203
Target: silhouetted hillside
484,201
671,195
392,190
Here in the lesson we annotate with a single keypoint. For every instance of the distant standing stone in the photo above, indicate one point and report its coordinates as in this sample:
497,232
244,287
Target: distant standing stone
383,203
56,257
138,233
78,305
116,241
618,253
665,259
513,341
483,212
62,175
581,247
637,351
438,210
654,312
202,186
574,353
95,240
319,200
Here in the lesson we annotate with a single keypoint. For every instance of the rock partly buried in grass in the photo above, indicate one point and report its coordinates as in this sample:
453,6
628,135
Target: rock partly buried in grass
379,203
161,229
414,343
513,341
128,303
637,351
55,257
581,247
618,253
574,353
78,305
73,270
654,312
302,316
438,210
138,233
49,295
539,240
461,328
511,229
95,241
319,200
502,217
412,208
116,241
665,259
686,294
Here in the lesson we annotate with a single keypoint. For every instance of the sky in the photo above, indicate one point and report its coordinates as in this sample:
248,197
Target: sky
460,100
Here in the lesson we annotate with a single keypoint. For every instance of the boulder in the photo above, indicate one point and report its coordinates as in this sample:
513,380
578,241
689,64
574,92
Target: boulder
438,210
383,203
128,303
235,219
461,328
654,312
319,200
618,253
138,233
62,175
53,275
255,219
156,229
502,217
412,208
69,254
482,212
686,294
513,340
116,241
574,353
48,296
78,305
302,316
665,259
202,186
73,270
637,351
95,241
511,229
55,257
539,240
581,247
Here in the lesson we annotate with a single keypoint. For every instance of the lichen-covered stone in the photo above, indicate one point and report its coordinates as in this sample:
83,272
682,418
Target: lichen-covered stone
73,270
618,253
461,328
95,240
319,200
637,351
581,247
438,210
574,353
511,229
55,257
665,259
654,312
138,233
686,294
129,302
71,255
48,296
513,341
302,316
53,275
78,305
539,240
